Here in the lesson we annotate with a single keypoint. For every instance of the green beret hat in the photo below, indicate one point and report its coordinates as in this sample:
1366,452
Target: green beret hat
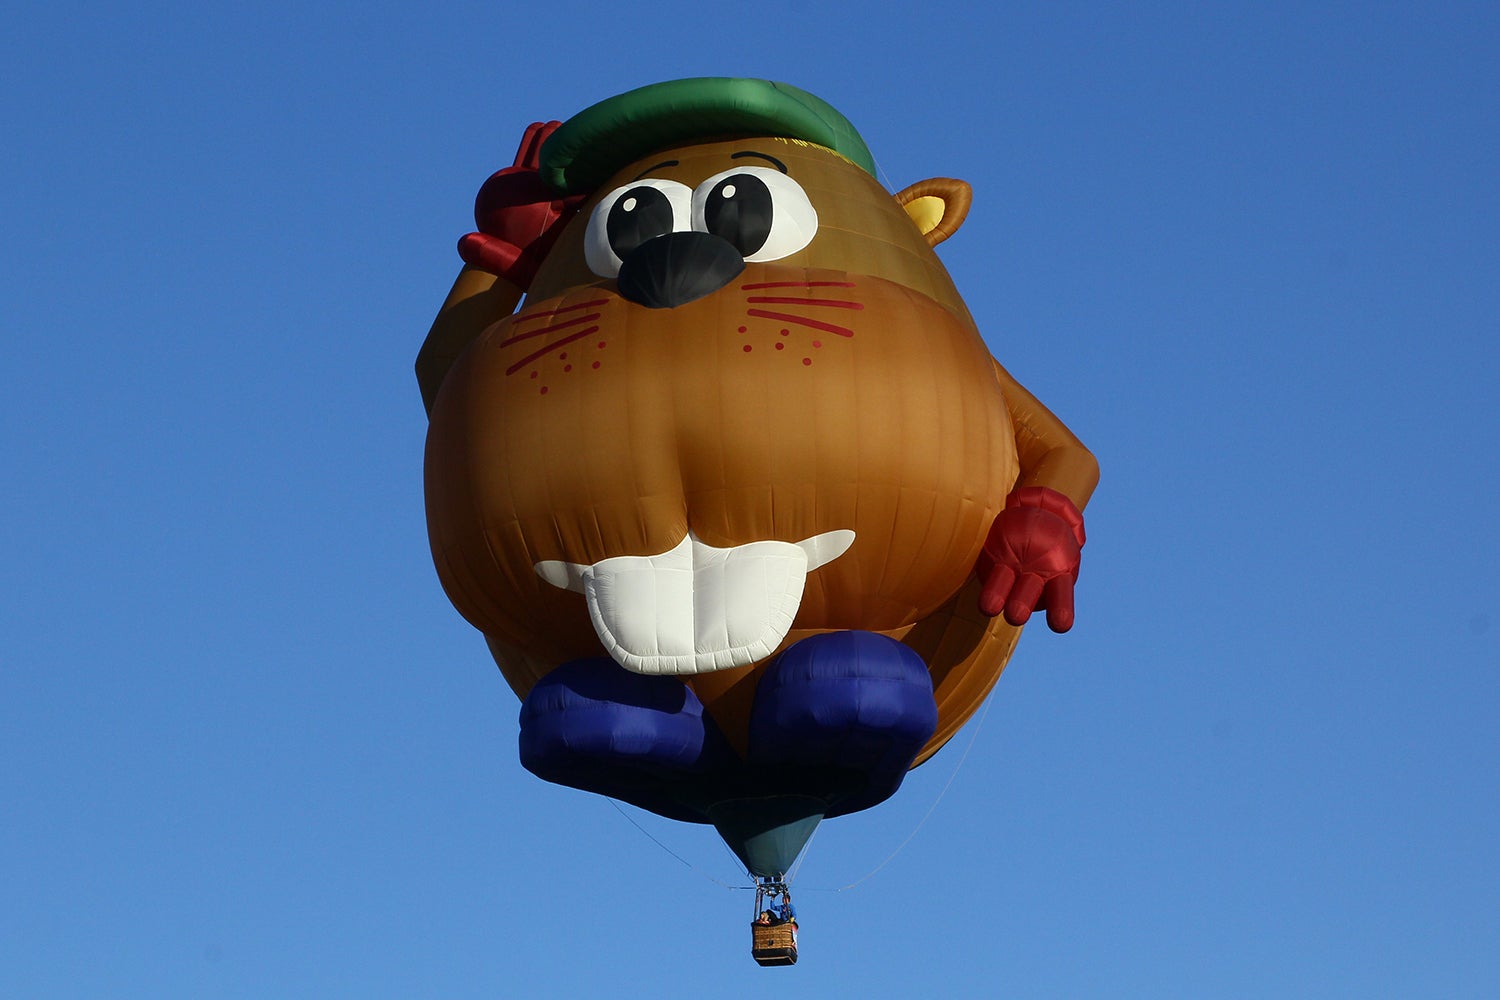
589,147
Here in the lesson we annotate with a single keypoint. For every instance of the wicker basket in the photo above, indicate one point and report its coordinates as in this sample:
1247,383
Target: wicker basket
774,944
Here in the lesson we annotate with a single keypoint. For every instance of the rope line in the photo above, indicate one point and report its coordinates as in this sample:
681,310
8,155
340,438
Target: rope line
674,854
974,738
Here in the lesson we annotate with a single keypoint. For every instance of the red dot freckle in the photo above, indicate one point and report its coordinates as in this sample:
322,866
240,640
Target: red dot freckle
567,368
780,346
743,329
563,356
544,390
786,333
747,348
596,364
817,343
601,344
533,374
805,361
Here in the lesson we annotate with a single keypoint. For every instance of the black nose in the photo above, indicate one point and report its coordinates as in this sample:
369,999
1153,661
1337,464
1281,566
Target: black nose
677,268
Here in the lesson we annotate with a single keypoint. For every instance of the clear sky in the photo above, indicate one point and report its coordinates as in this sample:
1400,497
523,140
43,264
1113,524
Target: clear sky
1249,252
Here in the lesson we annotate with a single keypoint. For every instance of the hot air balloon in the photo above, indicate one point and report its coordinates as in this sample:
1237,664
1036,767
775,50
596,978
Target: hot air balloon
747,514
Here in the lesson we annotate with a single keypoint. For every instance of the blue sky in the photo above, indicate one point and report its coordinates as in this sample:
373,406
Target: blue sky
1248,252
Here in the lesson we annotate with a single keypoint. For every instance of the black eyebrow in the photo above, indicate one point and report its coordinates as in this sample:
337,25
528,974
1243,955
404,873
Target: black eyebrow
643,173
779,165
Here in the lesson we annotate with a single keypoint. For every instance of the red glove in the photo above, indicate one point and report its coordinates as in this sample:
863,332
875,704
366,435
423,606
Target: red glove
518,215
1030,559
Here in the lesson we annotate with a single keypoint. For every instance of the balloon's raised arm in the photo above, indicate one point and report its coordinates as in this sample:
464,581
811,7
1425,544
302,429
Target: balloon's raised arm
477,299
519,217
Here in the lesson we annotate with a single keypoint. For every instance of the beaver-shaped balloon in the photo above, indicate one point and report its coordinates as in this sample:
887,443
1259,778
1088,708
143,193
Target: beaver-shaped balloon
738,497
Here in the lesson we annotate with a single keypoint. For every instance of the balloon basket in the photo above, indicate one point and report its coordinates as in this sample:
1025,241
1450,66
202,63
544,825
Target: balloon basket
773,933
774,945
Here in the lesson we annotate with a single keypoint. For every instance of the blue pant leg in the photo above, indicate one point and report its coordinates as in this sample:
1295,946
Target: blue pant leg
849,701
593,725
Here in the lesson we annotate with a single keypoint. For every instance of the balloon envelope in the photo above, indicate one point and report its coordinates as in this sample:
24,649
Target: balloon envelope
714,495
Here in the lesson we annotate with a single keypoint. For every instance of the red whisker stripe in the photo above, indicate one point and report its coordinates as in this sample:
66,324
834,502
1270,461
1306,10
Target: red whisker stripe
792,300
549,313
796,284
543,330
548,349
842,331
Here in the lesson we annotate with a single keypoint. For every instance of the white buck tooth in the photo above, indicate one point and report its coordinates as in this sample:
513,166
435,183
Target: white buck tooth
825,548
696,608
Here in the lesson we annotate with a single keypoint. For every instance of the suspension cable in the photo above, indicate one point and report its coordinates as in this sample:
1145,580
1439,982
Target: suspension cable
674,854
974,738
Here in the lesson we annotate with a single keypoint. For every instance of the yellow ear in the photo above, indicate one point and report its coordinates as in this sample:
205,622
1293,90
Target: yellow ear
938,206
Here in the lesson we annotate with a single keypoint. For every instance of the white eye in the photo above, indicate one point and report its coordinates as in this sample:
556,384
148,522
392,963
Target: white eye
629,216
763,212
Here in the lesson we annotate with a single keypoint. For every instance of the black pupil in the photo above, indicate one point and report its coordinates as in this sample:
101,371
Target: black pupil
640,214
739,209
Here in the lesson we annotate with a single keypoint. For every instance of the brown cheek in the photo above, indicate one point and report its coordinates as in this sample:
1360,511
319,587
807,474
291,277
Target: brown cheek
796,317
556,341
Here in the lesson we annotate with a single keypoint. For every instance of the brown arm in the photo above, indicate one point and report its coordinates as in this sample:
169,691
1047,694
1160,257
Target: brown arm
477,299
1049,453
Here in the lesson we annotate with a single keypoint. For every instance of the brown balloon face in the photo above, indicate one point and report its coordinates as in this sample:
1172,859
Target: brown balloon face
834,399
